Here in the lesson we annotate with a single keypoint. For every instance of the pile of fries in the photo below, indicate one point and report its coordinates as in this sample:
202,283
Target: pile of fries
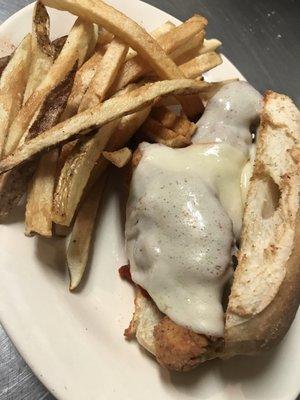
70,107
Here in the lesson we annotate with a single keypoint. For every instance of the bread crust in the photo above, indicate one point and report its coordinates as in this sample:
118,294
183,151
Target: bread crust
267,329
255,327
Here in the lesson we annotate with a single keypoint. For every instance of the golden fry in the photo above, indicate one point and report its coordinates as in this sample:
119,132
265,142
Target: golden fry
76,48
80,244
118,157
105,74
12,86
82,81
135,36
38,216
197,66
170,42
81,124
154,131
42,49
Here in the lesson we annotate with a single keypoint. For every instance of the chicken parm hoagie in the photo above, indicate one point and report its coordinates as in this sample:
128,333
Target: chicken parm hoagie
190,211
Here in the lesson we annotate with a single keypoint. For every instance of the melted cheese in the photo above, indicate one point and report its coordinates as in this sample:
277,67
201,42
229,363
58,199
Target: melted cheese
179,229
229,115
185,210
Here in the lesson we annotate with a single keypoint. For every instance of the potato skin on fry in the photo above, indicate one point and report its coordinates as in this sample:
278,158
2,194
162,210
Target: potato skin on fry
42,49
40,194
3,63
53,105
12,87
75,48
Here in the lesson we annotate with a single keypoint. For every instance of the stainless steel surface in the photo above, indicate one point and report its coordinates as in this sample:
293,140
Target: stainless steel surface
261,38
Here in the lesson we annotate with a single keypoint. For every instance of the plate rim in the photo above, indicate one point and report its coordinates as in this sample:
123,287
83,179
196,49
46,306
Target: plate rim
22,351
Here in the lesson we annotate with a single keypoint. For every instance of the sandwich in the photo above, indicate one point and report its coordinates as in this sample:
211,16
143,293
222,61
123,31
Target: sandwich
211,232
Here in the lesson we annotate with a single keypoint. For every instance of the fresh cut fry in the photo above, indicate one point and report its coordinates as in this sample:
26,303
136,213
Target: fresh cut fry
42,49
13,186
127,127
82,81
12,86
122,26
86,73
177,123
154,131
189,49
118,157
38,217
40,195
114,108
169,41
14,183
105,74
75,174
78,165
164,28
132,34
206,46
197,66
75,48
80,244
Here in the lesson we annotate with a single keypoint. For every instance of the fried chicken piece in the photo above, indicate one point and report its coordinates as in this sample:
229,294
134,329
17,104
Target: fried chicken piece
178,348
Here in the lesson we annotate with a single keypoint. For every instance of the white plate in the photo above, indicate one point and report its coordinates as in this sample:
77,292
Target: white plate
74,342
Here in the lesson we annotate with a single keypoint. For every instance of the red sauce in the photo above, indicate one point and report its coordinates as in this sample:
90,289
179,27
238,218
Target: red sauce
124,273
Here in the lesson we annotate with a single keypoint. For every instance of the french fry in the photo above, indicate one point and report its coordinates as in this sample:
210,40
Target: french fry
78,165
210,45
189,49
76,47
40,195
38,216
13,184
82,81
81,124
119,158
170,42
205,46
164,28
105,74
126,128
42,49
75,174
154,131
12,86
135,36
80,244
197,66
177,123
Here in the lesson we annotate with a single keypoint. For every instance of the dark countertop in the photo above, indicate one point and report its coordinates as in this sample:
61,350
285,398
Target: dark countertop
262,38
